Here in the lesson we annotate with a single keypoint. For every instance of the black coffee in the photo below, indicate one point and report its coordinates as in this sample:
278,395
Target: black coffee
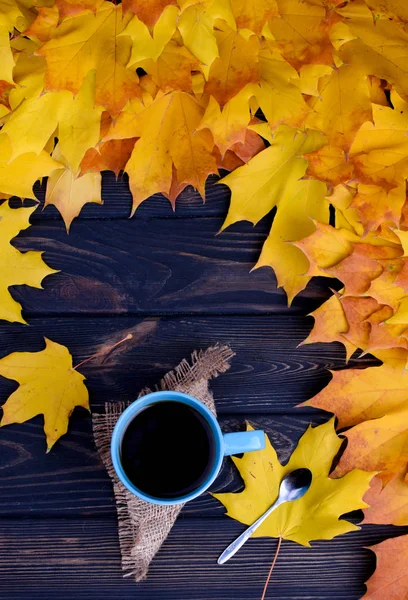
168,450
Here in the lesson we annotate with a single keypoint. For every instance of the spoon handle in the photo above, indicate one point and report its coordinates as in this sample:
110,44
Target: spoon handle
240,541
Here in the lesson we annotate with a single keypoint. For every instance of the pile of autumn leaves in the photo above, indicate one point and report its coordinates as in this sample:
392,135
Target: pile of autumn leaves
168,90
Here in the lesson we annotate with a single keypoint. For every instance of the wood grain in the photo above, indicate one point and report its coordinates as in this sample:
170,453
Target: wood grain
71,480
268,377
117,202
79,559
268,374
168,279
162,266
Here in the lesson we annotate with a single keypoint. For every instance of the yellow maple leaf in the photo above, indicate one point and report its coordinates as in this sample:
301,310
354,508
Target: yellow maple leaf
377,90
196,25
229,124
128,123
403,238
380,149
48,385
28,74
70,192
301,202
18,176
342,106
253,14
400,316
258,186
346,216
12,15
273,178
302,32
86,42
308,78
17,268
329,322
278,95
381,47
75,138
34,121
236,66
314,516
394,9
150,45
168,137
6,56
173,68
326,247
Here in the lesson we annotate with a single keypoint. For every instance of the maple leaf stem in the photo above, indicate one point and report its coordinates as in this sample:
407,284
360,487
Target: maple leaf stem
105,351
271,569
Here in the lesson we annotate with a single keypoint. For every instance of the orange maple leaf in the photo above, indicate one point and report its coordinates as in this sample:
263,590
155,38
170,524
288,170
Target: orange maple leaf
108,156
387,504
69,59
168,137
236,66
148,11
391,574
374,403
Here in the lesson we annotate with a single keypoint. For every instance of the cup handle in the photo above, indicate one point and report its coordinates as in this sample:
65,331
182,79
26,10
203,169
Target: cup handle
244,441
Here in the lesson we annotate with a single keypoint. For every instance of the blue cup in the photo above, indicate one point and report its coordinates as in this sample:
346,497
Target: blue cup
223,444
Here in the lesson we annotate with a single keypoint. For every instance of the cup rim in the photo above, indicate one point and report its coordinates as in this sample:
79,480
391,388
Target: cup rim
135,408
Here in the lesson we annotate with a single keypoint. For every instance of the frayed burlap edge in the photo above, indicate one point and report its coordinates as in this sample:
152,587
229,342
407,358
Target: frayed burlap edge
143,527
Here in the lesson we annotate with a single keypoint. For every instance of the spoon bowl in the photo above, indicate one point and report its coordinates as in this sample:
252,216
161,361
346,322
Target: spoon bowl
292,487
295,484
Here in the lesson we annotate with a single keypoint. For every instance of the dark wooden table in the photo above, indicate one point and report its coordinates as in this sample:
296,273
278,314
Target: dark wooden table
176,286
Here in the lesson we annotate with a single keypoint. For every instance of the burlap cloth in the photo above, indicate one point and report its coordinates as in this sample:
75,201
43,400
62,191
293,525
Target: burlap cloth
143,527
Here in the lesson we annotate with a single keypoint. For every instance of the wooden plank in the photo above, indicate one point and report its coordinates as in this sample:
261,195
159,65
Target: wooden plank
71,558
71,480
268,377
163,266
269,374
117,202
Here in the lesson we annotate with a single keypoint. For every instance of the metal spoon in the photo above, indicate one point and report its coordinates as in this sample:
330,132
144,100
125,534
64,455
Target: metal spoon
293,486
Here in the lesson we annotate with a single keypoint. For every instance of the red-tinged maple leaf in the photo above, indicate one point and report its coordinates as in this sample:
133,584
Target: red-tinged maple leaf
387,504
69,58
373,403
236,66
390,579
169,137
147,11
109,156
302,32
330,164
